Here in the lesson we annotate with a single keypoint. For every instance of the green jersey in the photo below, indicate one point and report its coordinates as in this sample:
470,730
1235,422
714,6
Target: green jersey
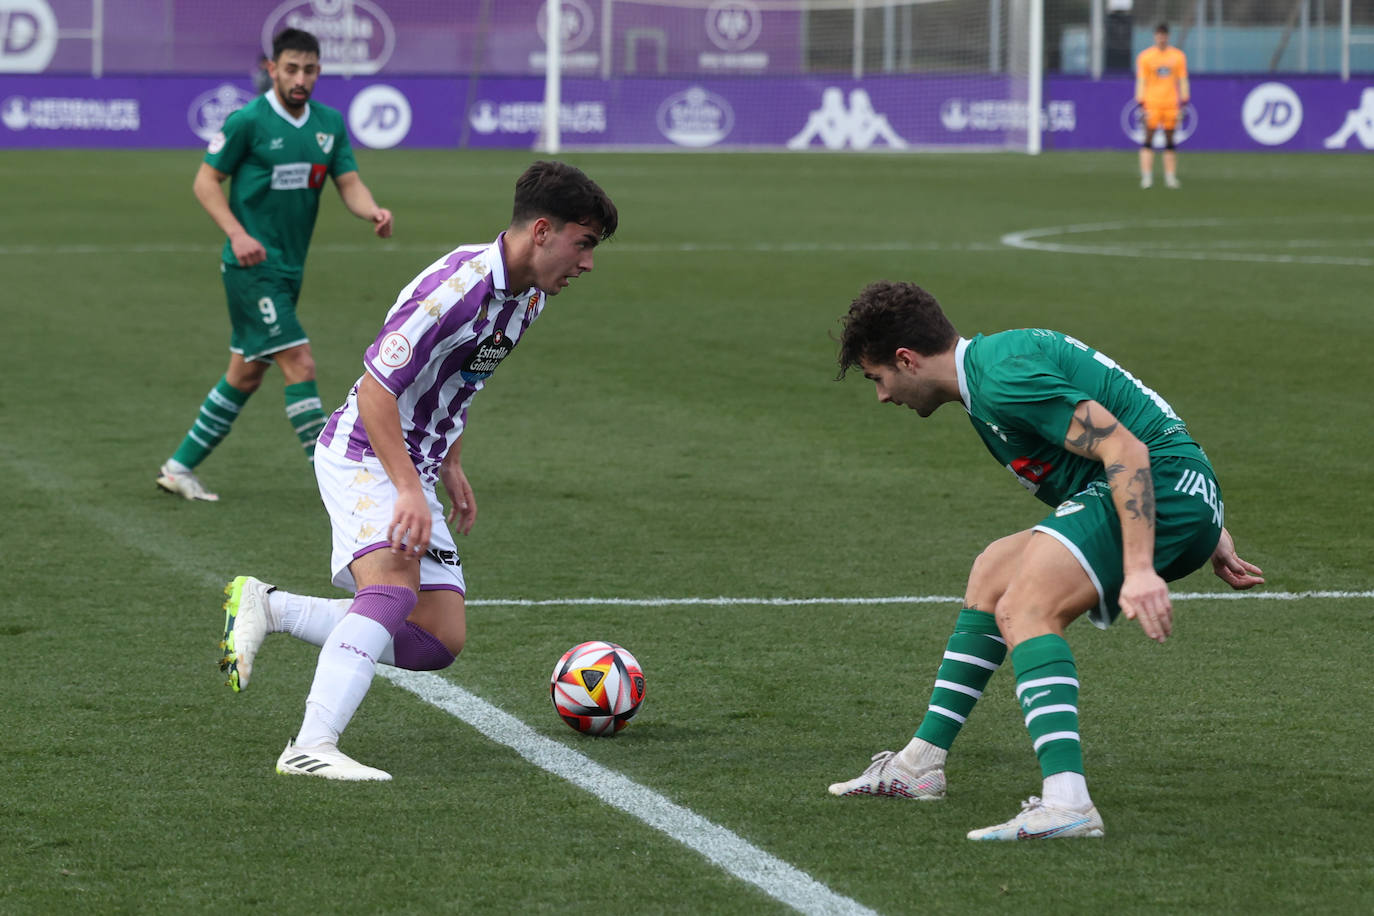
279,165
1020,389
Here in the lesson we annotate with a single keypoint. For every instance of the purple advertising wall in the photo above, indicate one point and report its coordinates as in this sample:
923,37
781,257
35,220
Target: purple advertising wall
880,113
397,37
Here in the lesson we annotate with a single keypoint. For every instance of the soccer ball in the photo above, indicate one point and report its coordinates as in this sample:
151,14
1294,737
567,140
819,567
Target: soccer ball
597,687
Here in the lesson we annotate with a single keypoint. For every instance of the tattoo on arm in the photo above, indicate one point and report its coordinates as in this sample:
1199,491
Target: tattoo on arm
1091,434
1140,496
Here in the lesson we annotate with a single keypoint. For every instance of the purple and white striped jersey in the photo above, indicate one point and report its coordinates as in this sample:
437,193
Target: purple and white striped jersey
441,341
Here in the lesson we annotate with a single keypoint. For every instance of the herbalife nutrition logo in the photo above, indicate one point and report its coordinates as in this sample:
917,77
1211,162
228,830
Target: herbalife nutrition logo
858,126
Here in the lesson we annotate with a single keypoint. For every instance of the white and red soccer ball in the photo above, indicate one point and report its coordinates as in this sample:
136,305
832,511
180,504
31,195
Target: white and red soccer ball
597,687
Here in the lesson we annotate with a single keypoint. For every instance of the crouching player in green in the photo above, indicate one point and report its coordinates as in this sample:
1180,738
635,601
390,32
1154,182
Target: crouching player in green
1136,505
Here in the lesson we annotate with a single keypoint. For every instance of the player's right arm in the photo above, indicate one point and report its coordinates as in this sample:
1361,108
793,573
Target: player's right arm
1140,66
410,520
209,191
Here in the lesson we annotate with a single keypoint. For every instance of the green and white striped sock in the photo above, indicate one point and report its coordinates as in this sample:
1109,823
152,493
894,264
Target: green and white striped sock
974,651
305,410
217,413
1047,688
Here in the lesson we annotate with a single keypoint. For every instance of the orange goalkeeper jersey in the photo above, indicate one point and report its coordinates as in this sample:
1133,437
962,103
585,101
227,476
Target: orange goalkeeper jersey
1160,72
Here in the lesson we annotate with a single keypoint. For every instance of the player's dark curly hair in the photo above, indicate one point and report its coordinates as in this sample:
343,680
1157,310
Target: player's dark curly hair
887,316
295,40
563,193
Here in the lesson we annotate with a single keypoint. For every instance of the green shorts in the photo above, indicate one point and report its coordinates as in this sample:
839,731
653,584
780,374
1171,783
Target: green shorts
1189,516
262,310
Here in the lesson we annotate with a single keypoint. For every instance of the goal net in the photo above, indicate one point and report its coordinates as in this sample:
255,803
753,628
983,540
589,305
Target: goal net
796,74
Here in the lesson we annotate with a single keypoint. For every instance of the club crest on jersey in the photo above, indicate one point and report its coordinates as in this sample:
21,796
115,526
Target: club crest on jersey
326,142
1068,507
486,357
533,303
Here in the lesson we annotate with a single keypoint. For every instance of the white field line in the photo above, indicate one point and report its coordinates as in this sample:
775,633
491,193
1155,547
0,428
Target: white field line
438,248
888,599
722,847
1039,239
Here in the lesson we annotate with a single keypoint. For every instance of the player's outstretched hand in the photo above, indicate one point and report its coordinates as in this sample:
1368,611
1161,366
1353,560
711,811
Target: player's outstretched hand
381,221
1230,568
462,506
409,530
1145,597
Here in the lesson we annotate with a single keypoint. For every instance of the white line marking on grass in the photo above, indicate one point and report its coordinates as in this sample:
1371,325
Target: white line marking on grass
438,248
889,599
1034,240
722,847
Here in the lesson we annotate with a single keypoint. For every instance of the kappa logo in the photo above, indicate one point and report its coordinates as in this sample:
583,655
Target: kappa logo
1359,123
857,126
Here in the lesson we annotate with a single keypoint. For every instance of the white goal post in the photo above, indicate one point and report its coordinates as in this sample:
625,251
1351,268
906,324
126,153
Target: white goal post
859,74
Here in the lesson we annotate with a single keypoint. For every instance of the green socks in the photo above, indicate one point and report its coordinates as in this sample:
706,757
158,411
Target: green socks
217,414
305,411
974,651
1047,688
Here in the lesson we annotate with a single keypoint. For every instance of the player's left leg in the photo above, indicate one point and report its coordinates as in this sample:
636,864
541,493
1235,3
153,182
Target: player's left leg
1149,125
1169,122
1052,588
973,652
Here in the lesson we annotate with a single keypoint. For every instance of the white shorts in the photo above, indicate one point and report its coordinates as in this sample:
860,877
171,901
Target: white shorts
360,500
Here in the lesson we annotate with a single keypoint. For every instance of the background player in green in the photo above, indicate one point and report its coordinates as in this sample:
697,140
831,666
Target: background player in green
1136,504
279,148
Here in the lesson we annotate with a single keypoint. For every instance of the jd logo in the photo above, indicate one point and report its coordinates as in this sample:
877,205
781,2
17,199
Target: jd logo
1272,114
379,116
28,36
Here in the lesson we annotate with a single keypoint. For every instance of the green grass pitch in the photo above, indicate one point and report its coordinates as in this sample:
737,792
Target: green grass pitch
671,428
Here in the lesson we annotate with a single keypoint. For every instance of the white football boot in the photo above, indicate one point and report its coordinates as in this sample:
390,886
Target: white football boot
1171,181
888,776
1039,821
248,619
327,762
182,482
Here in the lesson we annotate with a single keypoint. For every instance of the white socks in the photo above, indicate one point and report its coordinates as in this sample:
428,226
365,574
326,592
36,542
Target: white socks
920,754
342,677
1066,790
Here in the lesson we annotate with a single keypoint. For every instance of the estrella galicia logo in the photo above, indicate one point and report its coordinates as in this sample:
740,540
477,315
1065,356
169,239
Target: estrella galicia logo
488,355
695,118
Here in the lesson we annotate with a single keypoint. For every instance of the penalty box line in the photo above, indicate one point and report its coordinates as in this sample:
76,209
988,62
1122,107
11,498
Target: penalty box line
736,856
